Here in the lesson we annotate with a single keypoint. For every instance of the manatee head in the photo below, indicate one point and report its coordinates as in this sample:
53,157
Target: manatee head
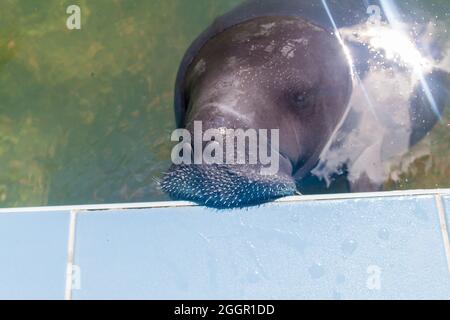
282,77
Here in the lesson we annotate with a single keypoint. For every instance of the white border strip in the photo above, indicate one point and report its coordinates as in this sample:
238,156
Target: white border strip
443,225
181,204
70,255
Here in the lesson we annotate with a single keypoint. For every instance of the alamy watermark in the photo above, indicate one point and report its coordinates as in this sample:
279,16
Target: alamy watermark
373,282
228,146
74,20
74,277
375,17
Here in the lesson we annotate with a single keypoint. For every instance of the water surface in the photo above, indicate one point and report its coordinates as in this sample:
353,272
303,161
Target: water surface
86,116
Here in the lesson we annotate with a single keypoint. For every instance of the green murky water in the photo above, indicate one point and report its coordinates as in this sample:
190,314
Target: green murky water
85,116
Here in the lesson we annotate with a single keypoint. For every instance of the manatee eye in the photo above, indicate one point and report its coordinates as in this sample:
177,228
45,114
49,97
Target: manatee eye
302,99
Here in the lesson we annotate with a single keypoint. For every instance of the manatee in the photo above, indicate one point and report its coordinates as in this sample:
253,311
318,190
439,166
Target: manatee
346,94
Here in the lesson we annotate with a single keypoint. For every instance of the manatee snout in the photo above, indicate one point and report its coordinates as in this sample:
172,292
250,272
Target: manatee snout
224,186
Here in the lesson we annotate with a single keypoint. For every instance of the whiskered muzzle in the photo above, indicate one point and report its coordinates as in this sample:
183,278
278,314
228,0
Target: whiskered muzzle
225,186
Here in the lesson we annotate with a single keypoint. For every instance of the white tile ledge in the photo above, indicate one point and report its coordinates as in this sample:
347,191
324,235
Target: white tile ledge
178,204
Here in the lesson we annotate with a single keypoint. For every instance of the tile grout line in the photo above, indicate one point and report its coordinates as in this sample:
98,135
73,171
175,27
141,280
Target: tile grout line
70,255
443,227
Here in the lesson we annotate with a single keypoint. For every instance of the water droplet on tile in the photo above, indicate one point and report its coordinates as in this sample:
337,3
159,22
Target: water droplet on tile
384,234
253,277
420,214
316,271
340,279
349,247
